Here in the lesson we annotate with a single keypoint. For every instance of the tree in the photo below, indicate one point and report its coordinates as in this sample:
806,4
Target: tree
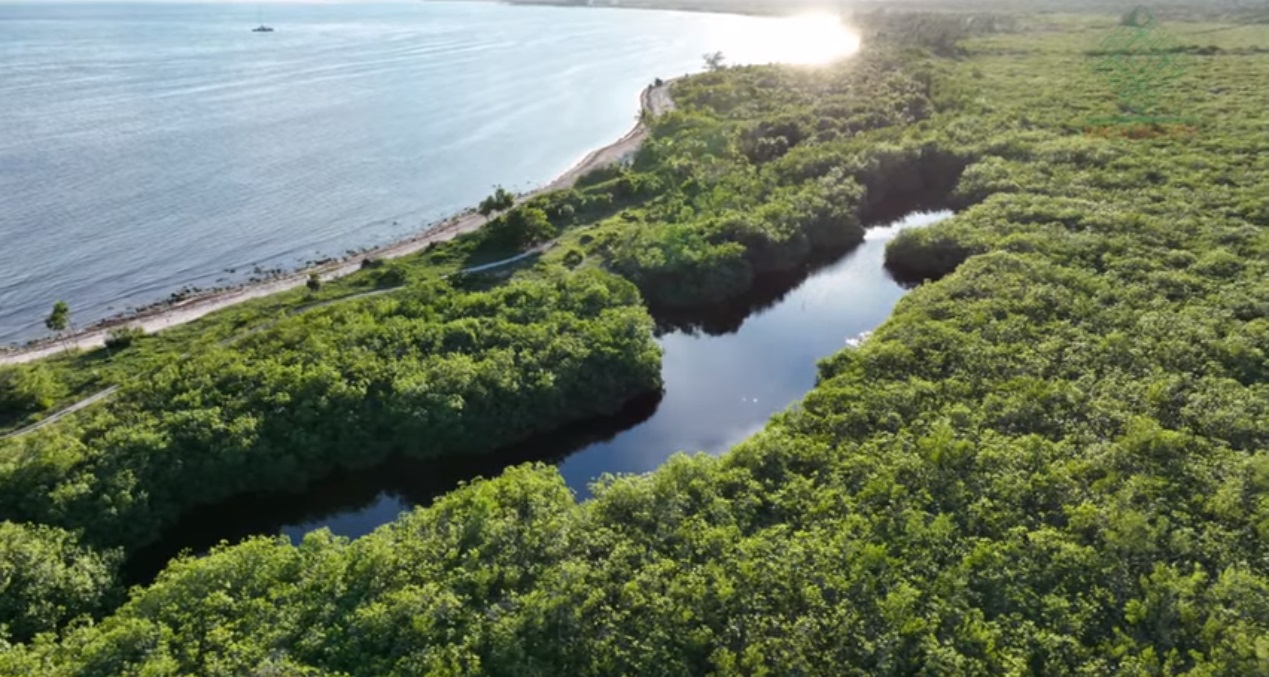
524,227
122,337
713,61
47,577
59,319
501,200
314,282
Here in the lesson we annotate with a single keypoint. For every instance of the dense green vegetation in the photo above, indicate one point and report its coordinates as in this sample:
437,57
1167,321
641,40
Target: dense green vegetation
1052,460
425,371
47,578
73,375
756,171
28,389
759,168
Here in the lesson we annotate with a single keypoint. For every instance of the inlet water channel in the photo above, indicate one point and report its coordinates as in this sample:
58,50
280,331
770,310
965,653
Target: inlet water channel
726,372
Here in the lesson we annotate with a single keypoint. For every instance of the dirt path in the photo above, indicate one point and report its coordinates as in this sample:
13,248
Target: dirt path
653,100
102,395
376,292
63,413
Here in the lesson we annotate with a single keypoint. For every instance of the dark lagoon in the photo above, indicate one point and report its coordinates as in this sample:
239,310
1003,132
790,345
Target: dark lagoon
726,369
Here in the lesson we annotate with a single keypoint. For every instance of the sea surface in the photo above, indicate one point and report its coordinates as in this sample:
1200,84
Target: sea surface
149,147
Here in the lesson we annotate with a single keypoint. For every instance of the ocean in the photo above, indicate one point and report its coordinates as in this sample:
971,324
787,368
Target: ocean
149,147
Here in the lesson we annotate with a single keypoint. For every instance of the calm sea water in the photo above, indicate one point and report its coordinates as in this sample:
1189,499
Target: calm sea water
148,147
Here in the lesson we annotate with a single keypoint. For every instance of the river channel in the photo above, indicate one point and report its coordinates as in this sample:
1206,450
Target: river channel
726,370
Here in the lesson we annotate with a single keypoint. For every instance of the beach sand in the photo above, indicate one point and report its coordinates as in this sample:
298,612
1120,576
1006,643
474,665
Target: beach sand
653,100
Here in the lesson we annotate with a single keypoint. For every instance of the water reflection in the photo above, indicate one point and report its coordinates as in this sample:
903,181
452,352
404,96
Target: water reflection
722,386
728,316
354,502
727,370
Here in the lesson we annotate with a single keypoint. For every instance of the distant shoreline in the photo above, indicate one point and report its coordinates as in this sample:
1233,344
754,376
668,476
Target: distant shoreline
653,100
753,8
700,7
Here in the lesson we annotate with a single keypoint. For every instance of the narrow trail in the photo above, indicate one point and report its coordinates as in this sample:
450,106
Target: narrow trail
653,101
62,413
388,290
108,392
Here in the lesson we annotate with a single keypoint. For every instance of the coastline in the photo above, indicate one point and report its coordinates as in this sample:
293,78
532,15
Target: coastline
760,8
653,100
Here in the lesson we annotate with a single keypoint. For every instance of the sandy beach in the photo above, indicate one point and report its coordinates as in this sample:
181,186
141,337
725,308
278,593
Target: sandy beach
654,100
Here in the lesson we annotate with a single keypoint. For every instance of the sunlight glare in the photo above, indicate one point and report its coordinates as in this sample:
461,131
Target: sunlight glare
808,39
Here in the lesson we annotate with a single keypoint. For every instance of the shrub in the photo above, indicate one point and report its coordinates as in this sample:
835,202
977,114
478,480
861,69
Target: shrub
122,337
27,389
390,277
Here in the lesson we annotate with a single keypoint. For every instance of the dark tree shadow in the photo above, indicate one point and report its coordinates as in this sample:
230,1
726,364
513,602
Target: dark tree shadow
411,481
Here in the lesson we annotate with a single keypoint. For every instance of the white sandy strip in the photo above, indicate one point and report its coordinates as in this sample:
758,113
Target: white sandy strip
654,100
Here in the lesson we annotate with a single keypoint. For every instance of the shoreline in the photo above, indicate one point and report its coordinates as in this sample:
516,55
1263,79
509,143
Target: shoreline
756,8
653,100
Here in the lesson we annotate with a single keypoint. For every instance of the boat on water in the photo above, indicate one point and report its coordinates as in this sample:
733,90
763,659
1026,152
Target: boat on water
261,28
